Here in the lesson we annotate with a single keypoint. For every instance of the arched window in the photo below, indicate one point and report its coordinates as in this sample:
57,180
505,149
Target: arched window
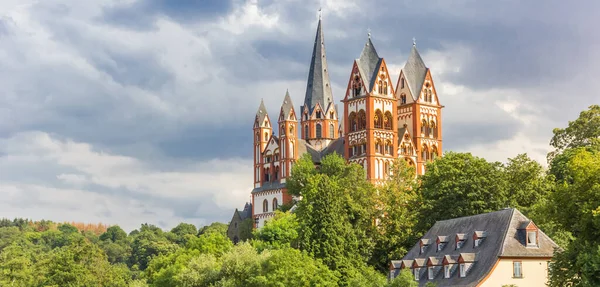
385,88
403,98
380,84
276,173
318,130
402,83
378,119
387,120
275,205
434,152
353,123
388,147
362,120
291,130
356,89
305,116
268,174
378,147
266,136
306,132
429,95
432,129
265,206
424,127
331,131
425,153
257,137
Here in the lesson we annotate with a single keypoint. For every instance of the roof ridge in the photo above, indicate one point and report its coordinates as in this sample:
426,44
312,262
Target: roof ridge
501,249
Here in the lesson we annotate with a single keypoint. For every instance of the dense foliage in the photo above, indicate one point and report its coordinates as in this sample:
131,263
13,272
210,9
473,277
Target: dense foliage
343,232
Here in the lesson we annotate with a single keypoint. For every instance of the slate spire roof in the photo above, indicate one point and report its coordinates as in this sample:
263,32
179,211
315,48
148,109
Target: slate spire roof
368,64
318,87
287,106
261,113
415,71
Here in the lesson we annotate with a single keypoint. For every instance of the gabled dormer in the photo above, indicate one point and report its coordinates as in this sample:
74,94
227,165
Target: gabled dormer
441,242
465,262
478,237
531,232
424,243
460,240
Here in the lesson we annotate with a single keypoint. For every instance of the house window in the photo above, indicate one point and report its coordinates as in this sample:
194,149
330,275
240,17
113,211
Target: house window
459,244
423,248
531,238
417,271
275,204
517,269
477,242
441,246
318,131
265,206
463,270
446,271
430,273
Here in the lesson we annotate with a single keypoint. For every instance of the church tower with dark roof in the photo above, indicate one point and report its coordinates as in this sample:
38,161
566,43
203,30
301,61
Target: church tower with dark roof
319,120
419,113
371,129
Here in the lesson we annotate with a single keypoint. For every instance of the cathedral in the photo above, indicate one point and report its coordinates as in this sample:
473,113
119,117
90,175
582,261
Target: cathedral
378,123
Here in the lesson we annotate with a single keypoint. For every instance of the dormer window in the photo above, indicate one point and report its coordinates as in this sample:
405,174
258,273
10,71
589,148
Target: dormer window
460,240
463,270
446,271
424,244
430,273
417,272
478,237
532,238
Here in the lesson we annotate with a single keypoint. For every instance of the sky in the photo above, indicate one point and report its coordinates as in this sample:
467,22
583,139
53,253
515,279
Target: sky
128,111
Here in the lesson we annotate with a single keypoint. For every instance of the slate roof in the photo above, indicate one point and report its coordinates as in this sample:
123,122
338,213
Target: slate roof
261,113
503,239
368,64
414,72
287,106
318,87
247,212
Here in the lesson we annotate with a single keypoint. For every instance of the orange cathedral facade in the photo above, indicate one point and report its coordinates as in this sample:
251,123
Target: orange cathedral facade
382,119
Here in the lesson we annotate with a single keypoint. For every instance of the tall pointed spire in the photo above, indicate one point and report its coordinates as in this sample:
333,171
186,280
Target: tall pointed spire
415,71
261,113
368,63
287,107
318,87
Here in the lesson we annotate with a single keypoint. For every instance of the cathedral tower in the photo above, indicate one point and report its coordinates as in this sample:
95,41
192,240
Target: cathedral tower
319,120
370,127
419,112
288,142
262,134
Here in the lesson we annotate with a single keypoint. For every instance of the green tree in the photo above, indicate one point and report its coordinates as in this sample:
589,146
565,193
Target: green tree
460,184
398,207
527,182
114,234
279,232
582,132
336,212
217,227
211,243
151,241
404,279
576,207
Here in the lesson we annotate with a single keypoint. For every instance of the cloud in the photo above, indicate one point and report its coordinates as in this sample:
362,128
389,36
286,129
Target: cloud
141,111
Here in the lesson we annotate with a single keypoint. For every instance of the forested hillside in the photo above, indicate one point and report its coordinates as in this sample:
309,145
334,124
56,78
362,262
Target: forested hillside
330,239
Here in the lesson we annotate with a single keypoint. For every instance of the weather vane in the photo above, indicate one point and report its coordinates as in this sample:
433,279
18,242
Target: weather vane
320,13
369,32
414,41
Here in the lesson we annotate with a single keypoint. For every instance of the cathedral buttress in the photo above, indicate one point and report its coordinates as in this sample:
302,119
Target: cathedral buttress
319,117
